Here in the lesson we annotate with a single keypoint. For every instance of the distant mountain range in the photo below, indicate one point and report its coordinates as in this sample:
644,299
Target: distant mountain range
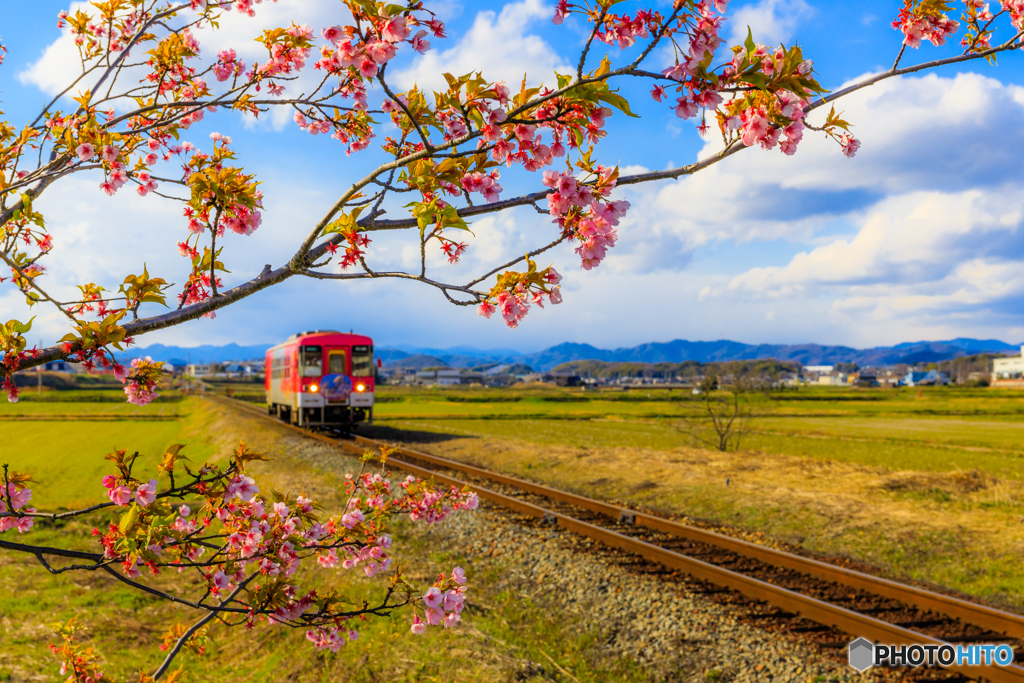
657,352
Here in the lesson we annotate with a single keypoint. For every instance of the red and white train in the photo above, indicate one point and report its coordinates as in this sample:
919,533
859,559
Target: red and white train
322,379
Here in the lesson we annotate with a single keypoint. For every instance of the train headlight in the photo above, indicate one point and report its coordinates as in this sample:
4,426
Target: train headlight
314,388
360,387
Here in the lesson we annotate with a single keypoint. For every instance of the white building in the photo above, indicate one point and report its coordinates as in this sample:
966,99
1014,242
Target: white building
443,377
818,369
197,370
834,380
1008,368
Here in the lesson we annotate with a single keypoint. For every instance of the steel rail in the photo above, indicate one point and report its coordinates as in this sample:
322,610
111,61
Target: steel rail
983,616
819,611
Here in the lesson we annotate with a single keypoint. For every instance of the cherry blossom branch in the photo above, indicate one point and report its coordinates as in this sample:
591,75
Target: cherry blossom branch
590,39
307,254
1013,44
38,551
519,259
191,631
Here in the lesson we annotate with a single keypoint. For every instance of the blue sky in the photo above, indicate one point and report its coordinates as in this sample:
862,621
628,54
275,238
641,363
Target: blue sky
915,238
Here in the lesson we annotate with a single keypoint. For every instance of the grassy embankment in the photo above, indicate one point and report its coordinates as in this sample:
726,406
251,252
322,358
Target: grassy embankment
924,484
504,632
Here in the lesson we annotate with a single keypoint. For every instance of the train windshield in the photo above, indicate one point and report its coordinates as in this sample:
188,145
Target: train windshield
311,359
362,361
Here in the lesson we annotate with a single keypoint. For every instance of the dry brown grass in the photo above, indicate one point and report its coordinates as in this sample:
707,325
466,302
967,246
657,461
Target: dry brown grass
959,529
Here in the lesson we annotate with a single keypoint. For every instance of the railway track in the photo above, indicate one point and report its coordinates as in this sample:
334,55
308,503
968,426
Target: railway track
797,587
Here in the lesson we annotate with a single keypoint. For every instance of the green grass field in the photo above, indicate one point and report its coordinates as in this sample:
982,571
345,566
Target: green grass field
506,631
941,430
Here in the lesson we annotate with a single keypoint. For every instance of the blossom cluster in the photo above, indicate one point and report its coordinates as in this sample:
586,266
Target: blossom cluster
514,293
356,54
433,506
1016,10
583,212
259,541
141,381
355,243
443,602
924,23
13,498
12,353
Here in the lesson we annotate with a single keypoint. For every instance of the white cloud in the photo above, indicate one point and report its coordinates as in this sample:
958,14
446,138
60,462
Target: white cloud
915,239
498,44
919,134
60,62
771,21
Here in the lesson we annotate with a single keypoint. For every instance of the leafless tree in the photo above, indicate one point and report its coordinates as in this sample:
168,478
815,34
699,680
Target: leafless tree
724,416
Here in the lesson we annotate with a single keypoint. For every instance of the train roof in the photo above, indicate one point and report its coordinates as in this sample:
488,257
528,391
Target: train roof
325,337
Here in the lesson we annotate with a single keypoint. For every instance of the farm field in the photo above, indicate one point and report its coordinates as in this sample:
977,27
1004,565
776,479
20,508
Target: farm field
508,629
924,484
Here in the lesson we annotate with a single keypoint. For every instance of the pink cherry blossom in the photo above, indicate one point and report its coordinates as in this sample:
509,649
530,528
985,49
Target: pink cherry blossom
242,487
685,108
351,519
146,494
120,495
459,575
221,581
85,151
395,30
418,627
367,68
755,128
332,33
433,597
850,145
419,43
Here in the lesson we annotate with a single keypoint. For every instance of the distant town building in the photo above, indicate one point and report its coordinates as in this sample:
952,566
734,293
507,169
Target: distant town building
200,370
1008,371
60,366
918,378
818,369
834,379
442,377
565,379
866,379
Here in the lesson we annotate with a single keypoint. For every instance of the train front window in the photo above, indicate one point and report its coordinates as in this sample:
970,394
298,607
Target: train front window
362,361
311,359
337,362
